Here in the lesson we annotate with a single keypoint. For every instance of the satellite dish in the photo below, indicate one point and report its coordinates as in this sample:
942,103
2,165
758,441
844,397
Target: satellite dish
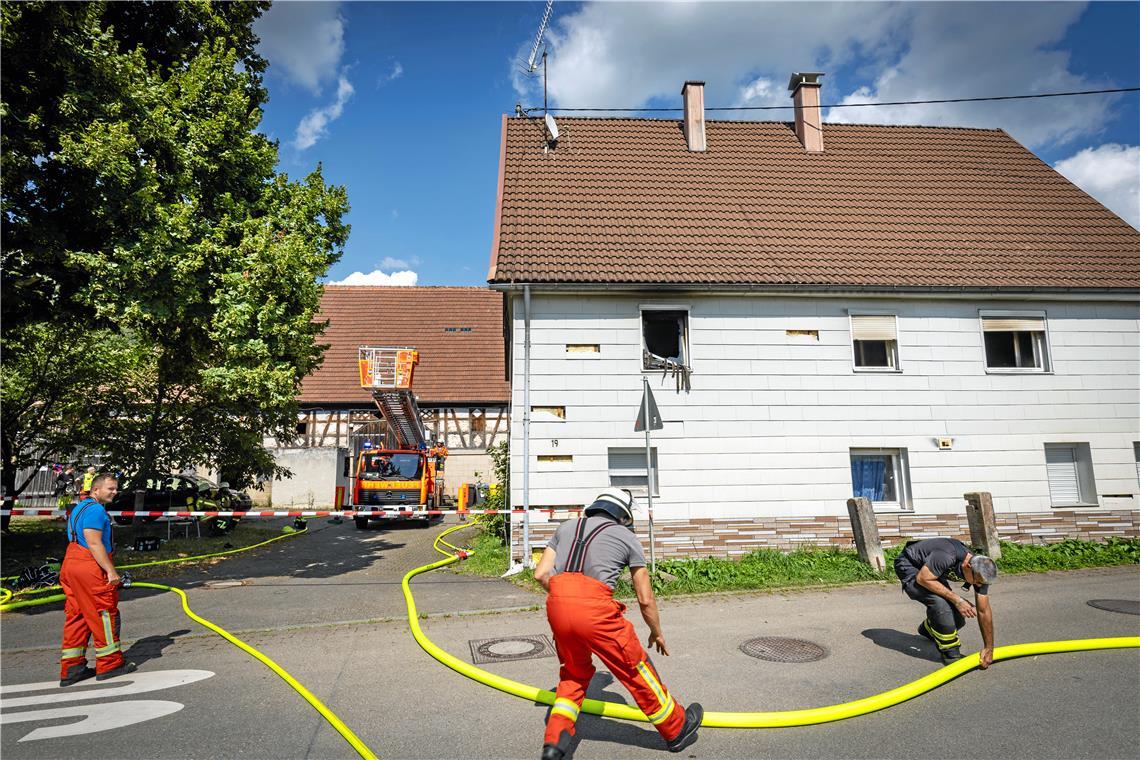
551,128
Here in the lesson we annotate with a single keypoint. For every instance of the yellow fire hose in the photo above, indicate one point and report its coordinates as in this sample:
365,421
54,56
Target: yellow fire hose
779,719
328,714
308,696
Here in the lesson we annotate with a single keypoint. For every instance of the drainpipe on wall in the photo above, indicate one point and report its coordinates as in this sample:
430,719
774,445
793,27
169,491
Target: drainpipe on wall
527,561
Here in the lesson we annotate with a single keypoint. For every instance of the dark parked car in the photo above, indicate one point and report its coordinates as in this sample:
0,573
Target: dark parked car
178,493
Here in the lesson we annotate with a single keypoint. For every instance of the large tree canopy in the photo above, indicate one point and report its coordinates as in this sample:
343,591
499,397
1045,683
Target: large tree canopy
140,199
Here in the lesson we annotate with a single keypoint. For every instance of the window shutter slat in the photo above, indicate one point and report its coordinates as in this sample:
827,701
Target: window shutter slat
1013,324
873,327
1061,467
629,462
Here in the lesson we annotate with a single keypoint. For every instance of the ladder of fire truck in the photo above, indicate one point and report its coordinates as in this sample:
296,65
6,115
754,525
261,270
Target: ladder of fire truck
386,371
400,410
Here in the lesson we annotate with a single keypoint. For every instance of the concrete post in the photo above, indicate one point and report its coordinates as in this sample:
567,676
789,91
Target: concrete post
866,532
983,527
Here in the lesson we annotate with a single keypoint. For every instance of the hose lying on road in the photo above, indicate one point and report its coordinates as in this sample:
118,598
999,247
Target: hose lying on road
360,747
320,707
779,719
5,606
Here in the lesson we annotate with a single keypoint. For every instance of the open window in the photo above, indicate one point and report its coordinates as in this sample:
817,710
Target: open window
665,337
874,342
881,476
627,470
1015,342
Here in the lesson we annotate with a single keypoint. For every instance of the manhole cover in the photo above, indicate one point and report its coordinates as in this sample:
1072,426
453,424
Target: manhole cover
782,649
1126,606
507,648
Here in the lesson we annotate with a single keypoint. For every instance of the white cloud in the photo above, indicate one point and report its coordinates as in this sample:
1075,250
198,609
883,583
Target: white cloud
303,40
315,124
961,50
396,72
390,264
376,277
1111,174
614,55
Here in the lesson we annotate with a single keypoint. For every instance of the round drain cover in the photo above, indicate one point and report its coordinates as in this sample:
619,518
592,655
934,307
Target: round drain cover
782,649
1127,606
511,649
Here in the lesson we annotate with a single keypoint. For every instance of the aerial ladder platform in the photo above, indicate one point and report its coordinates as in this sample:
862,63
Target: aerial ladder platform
387,373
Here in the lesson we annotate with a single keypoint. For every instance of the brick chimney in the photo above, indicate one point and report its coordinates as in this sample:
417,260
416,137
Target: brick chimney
694,124
809,120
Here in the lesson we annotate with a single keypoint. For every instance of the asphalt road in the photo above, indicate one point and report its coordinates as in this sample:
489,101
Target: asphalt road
328,608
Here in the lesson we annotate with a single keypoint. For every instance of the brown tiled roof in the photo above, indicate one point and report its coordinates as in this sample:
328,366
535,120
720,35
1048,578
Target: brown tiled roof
457,366
623,201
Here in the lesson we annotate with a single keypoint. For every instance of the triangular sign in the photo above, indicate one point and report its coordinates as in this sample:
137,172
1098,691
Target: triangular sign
655,422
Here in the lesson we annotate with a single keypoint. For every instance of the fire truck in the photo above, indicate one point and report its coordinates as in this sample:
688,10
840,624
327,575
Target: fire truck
405,473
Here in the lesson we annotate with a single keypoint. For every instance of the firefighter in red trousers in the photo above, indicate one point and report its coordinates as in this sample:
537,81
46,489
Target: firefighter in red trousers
91,585
579,569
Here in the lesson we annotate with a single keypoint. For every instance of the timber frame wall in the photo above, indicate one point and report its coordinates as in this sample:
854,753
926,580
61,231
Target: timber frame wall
459,428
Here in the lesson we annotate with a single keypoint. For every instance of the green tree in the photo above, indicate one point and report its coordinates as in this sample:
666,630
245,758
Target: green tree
139,197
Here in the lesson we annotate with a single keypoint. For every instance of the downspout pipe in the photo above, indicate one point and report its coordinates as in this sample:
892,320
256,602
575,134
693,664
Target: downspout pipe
527,560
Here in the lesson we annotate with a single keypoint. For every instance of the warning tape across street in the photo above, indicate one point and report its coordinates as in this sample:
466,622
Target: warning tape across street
376,513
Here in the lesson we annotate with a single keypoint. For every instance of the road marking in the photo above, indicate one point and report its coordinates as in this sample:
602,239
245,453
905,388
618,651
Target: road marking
97,717
101,716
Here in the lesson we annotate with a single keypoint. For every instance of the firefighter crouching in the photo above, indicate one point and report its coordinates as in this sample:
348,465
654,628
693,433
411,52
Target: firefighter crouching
579,569
91,587
926,569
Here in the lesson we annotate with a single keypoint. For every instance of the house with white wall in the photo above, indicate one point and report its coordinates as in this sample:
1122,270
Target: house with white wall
822,310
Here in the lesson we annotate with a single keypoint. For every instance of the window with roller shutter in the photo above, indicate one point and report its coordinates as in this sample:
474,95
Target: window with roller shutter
874,342
1015,342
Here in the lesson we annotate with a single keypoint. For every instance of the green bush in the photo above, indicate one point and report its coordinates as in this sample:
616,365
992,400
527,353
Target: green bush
496,525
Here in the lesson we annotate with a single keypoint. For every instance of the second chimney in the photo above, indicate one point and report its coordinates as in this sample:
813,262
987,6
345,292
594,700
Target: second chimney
694,123
809,120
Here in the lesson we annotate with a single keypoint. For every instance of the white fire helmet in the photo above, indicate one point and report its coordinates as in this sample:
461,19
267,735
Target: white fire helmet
618,503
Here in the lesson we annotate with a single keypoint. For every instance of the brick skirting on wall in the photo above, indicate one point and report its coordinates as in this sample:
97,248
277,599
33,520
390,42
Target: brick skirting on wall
730,537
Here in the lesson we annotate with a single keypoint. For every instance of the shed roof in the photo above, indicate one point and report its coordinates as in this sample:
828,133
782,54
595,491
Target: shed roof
458,332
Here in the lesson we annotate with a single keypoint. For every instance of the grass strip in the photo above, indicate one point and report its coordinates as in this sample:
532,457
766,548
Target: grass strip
765,569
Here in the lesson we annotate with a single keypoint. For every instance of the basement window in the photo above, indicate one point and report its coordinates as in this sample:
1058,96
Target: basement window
881,476
1069,469
1015,342
627,470
874,342
665,337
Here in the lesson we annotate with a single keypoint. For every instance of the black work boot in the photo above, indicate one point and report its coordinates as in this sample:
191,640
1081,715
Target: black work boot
950,655
694,714
122,670
77,673
925,633
560,750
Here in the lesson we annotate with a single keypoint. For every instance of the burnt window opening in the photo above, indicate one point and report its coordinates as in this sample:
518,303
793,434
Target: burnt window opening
1008,350
665,333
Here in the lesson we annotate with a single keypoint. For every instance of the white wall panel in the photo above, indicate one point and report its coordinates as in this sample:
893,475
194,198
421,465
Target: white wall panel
768,424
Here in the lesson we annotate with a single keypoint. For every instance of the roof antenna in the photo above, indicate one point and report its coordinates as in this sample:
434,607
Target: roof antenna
551,126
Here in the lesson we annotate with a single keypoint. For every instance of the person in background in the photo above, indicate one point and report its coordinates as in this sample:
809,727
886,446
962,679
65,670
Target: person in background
91,589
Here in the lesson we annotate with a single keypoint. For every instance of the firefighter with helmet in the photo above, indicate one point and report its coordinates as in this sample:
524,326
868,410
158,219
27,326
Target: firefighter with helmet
579,569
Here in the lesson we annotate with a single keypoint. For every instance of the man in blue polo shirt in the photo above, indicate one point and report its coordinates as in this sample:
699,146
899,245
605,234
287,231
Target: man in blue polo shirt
91,587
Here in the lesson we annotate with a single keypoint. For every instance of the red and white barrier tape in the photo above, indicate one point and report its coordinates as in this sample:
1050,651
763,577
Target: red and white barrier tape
377,513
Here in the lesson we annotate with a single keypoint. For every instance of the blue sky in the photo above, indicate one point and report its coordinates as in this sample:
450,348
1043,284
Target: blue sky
401,102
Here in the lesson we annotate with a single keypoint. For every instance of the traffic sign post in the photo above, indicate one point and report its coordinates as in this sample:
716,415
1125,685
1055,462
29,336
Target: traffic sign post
649,418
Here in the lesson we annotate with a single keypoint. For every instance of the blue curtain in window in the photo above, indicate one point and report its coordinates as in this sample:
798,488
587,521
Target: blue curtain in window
868,476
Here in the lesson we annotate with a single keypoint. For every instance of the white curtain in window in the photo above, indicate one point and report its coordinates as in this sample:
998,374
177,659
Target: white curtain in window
1013,324
873,327
1061,466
